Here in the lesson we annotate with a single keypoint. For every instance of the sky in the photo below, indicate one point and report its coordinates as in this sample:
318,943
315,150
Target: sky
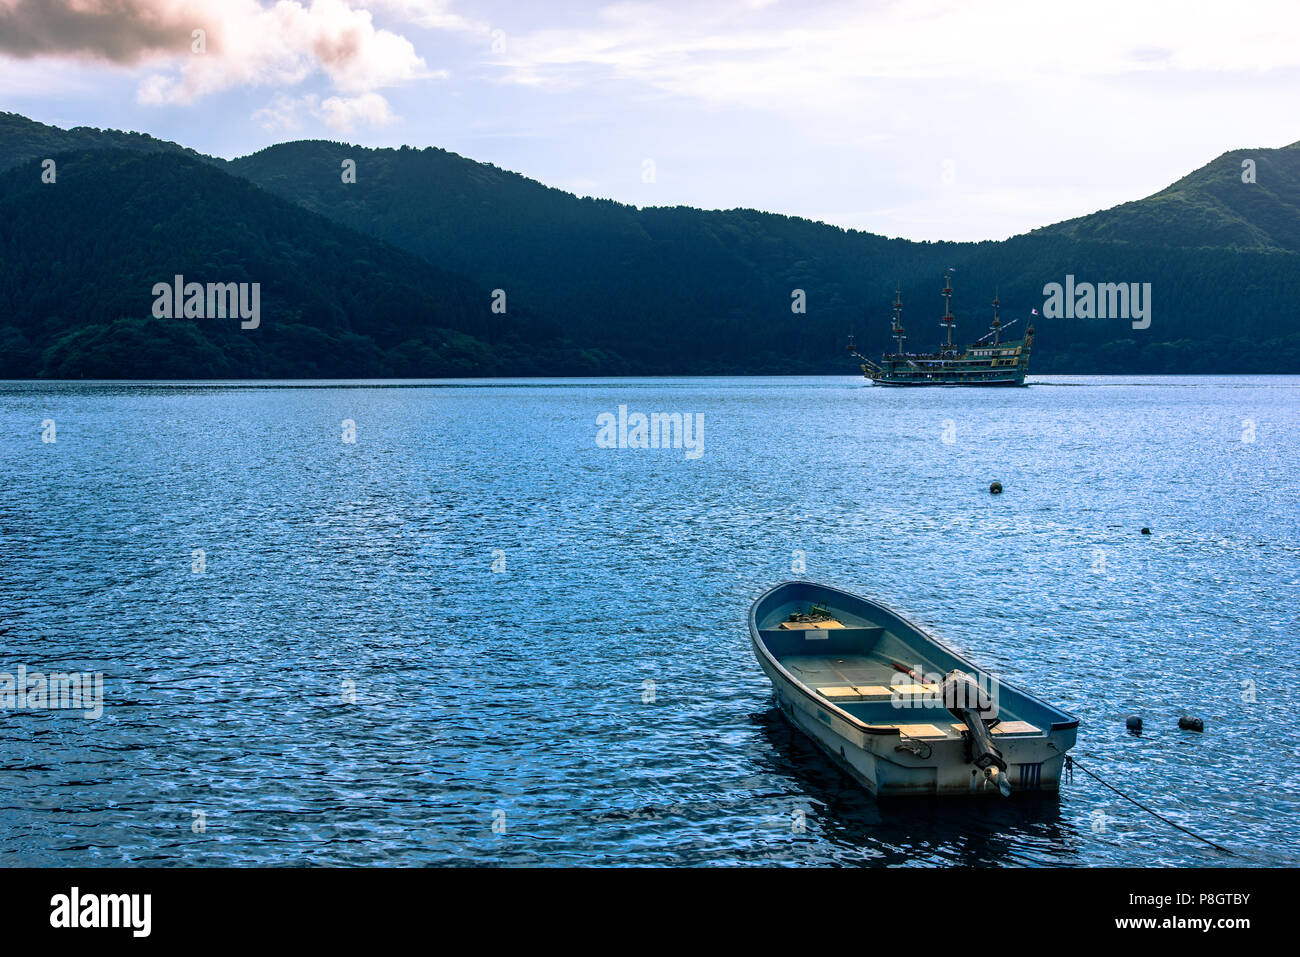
925,119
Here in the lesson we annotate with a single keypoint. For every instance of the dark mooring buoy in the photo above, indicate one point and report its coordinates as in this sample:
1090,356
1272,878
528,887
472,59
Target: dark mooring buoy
995,488
1191,724
1134,724
1145,530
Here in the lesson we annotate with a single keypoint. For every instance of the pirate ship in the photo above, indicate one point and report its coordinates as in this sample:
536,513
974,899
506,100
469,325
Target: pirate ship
983,363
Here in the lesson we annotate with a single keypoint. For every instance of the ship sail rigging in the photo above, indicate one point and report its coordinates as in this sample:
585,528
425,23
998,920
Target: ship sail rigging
899,334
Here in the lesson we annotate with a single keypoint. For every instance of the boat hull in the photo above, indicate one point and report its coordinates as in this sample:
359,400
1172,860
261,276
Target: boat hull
881,380
896,758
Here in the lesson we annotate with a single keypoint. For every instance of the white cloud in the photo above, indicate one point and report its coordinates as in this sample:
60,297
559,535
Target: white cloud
282,45
346,113
343,114
195,48
284,113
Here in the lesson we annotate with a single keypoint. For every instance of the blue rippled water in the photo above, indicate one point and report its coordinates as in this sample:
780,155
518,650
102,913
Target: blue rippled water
349,681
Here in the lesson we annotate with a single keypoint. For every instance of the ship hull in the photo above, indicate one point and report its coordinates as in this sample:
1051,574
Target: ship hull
879,380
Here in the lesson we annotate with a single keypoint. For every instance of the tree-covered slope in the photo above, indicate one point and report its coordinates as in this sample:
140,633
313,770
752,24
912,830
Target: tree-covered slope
22,139
81,257
670,288
1222,204
593,286
687,290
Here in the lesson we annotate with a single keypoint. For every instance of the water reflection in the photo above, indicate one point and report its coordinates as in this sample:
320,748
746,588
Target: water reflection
915,831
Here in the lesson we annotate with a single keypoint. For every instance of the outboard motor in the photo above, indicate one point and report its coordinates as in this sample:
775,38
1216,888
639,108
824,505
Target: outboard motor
965,701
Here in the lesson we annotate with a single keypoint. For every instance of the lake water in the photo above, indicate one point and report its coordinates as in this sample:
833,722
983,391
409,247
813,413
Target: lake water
343,676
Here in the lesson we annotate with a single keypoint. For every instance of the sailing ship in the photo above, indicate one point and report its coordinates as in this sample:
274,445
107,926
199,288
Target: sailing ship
983,363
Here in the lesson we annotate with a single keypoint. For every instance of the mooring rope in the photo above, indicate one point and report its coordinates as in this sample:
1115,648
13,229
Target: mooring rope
1072,762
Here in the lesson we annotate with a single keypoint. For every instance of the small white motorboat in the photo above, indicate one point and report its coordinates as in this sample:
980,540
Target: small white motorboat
902,713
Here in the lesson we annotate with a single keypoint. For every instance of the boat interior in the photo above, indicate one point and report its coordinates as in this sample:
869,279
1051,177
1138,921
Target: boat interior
875,666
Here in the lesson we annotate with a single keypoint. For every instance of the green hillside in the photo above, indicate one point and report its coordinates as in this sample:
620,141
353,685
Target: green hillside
687,290
81,259
672,289
391,275
22,139
1211,207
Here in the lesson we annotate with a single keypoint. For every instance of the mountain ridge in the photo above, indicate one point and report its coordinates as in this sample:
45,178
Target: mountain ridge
1208,201
83,256
620,289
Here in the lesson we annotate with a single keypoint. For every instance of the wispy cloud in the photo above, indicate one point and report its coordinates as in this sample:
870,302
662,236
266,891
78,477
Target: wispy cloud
823,55
430,14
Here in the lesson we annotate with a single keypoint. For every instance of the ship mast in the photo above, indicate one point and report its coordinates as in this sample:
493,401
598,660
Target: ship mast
899,334
997,322
948,319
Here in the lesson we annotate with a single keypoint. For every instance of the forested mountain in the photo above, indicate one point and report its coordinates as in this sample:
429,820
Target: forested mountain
81,258
22,139
593,286
687,290
1245,199
672,289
